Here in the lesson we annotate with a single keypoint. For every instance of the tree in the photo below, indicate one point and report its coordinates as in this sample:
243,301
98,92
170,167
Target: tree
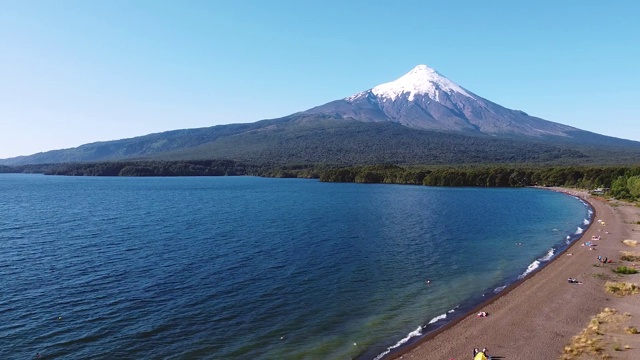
633,185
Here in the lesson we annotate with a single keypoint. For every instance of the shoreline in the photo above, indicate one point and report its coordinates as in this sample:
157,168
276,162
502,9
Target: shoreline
537,316
474,308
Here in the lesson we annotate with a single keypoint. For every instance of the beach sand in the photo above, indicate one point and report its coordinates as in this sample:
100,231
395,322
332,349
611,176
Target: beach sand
538,317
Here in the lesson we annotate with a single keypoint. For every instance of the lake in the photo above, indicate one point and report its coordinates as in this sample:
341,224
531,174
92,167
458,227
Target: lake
256,268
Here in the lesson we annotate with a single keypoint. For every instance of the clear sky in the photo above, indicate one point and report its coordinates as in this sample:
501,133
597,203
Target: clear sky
74,72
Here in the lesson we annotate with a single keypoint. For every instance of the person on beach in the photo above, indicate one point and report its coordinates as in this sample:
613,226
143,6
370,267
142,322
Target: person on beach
481,355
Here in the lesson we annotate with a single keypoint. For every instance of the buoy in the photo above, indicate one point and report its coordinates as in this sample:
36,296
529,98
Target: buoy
59,317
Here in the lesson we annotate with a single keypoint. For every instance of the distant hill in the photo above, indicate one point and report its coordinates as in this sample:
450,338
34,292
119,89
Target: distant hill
420,118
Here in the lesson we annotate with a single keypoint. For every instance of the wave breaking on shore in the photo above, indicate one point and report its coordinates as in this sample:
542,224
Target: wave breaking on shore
537,264
414,334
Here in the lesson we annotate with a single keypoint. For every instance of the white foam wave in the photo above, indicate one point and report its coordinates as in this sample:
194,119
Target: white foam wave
585,222
439,317
414,333
549,255
579,231
498,289
531,268
536,264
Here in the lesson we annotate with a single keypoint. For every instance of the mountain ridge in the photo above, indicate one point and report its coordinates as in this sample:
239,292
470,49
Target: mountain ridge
422,110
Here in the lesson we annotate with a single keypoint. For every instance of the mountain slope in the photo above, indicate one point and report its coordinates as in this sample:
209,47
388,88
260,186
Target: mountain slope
348,142
137,147
424,99
422,117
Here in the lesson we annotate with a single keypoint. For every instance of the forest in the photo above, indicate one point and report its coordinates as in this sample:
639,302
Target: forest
621,181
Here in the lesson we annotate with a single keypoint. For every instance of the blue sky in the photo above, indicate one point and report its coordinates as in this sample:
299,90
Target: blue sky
74,72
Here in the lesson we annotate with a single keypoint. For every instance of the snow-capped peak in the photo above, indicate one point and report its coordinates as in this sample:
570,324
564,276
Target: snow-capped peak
422,80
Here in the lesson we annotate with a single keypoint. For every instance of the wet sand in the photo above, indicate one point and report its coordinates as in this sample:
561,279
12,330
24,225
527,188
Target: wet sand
537,317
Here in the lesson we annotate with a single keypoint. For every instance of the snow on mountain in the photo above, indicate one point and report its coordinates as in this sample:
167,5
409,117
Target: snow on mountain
425,99
422,80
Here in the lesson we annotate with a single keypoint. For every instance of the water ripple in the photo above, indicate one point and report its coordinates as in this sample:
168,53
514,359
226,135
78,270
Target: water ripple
251,268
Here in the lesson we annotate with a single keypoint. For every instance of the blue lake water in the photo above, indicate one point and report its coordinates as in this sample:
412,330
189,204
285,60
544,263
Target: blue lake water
255,268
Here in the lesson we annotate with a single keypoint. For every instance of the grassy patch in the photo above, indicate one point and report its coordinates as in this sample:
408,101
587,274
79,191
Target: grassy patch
630,256
621,288
630,242
589,341
618,347
601,276
625,270
632,330
592,342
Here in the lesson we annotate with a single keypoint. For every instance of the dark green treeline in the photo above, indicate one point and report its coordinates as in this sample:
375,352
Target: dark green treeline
622,181
170,168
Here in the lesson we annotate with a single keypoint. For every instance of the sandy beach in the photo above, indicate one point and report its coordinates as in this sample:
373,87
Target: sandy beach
538,317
